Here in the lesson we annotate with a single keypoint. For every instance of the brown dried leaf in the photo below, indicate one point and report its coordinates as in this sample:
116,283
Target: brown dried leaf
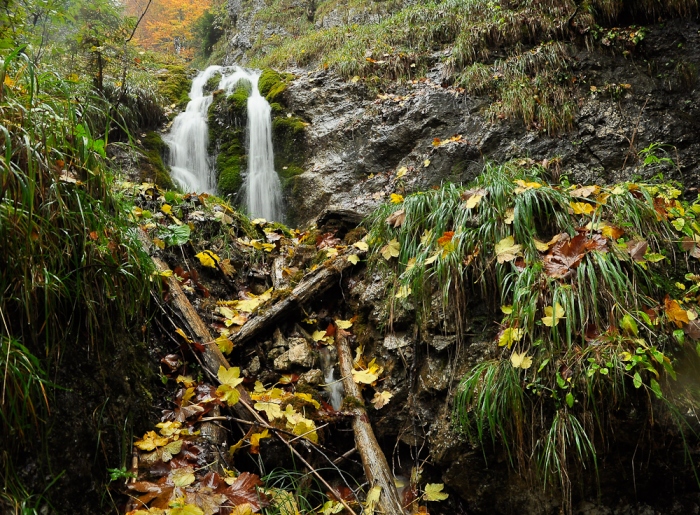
397,218
243,490
637,249
567,253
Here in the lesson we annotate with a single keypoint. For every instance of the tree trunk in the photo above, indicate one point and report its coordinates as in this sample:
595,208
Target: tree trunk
373,459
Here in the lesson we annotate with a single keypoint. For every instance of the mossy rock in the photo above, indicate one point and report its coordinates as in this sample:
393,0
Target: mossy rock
230,161
269,78
175,84
272,85
213,83
238,100
153,168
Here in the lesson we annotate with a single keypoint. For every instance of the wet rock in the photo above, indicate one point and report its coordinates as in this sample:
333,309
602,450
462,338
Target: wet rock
397,341
254,367
313,377
435,373
302,354
440,342
282,362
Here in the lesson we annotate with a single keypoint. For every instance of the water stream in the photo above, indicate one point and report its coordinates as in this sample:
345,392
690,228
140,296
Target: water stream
189,141
334,386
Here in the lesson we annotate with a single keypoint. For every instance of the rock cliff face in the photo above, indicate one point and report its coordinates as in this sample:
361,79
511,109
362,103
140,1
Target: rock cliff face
637,115
358,139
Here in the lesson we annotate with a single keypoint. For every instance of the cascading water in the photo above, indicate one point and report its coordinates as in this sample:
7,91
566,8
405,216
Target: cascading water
189,141
334,386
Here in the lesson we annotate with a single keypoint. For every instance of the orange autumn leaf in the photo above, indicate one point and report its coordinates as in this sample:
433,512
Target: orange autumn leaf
675,312
445,238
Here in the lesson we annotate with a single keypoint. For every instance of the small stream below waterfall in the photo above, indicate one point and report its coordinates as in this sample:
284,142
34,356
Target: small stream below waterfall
188,139
334,386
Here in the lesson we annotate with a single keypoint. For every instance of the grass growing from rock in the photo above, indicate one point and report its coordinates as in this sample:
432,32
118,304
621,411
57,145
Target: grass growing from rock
514,52
595,296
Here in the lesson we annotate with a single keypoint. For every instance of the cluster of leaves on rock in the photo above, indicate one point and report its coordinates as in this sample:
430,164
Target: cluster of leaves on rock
598,290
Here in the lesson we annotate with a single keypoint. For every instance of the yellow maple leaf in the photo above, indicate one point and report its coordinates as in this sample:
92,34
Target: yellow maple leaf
526,185
229,381
361,245
354,259
166,208
553,314
150,441
507,250
402,171
396,198
271,409
426,163
433,492
306,428
473,201
582,208
521,360
343,324
372,499
169,428
182,476
208,258
225,345
404,291
381,399
255,440
391,250
509,336
249,305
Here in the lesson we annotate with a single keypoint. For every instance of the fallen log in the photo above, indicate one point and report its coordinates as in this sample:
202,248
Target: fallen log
314,284
213,358
373,460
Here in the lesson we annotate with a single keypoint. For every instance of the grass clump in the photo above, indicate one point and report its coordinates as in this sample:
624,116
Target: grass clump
588,327
174,84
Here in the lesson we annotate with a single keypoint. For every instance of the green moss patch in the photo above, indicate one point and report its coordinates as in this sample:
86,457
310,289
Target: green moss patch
152,167
174,84
273,84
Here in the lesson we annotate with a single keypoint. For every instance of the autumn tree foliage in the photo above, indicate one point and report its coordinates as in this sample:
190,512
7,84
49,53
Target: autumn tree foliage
168,25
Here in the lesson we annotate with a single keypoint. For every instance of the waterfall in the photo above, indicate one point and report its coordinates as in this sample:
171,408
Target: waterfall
334,386
189,141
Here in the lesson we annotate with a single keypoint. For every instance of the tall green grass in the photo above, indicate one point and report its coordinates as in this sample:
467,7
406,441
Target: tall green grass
71,272
615,342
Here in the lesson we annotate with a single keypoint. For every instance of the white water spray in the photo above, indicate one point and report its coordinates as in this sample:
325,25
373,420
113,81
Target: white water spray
334,386
189,138
188,141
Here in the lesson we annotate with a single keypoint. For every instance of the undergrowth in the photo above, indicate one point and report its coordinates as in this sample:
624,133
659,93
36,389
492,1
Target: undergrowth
597,290
71,271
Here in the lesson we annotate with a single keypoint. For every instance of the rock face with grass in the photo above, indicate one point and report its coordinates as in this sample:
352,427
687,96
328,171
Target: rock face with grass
589,94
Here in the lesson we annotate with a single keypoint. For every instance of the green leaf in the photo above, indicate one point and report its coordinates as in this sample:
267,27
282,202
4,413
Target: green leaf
176,235
629,325
570,400
656,388
637,380
679,335
433,492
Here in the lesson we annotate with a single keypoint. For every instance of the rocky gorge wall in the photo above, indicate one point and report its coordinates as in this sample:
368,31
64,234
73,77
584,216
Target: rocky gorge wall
357,139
